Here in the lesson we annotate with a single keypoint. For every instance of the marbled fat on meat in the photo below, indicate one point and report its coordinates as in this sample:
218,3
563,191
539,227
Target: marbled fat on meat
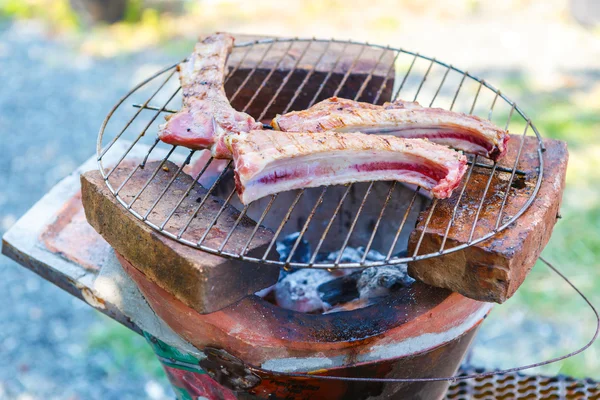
268,162
402,119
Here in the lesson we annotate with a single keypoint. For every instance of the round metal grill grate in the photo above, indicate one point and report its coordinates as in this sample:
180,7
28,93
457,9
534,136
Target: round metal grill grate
271,76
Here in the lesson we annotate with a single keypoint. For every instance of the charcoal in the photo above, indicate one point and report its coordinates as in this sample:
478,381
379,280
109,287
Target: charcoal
381,281
400,254
372,255
350,255
298,290
354,255
340,290
284,248
310,290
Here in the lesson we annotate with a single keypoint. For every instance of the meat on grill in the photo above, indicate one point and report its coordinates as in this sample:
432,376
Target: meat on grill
403,119
207,116
268,162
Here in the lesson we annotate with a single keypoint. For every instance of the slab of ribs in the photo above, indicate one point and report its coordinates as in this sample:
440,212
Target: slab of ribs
336,141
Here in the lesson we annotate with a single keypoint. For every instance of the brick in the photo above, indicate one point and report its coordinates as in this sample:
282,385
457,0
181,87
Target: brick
203,281
377,74
494,269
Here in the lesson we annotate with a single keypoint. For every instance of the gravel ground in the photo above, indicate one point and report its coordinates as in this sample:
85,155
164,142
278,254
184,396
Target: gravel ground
52,102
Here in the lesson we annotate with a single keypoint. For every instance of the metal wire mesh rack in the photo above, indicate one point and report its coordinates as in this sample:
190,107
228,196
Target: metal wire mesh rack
271,76
519,386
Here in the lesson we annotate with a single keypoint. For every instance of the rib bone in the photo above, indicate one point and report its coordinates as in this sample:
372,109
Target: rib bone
206,117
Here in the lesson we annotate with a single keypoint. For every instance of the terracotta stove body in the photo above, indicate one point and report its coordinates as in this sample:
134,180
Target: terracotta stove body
416,333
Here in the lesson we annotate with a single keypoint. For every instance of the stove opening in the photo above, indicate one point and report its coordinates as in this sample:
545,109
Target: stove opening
322,291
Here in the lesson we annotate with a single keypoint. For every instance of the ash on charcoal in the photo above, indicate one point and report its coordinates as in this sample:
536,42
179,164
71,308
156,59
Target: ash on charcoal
381,281
352,255
285,246
314,290
298,290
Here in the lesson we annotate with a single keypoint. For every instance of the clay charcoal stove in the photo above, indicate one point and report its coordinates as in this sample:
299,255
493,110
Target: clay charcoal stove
374,279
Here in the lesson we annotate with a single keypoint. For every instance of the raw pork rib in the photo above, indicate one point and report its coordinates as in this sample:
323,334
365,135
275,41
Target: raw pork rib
206,117
403,119
268,162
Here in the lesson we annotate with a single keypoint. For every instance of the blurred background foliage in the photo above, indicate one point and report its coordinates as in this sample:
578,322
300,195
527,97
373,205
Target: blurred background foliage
544,54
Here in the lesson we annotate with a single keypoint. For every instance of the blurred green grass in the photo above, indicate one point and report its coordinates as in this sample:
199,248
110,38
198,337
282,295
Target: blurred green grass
566,114
129,351
570,113
57,13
